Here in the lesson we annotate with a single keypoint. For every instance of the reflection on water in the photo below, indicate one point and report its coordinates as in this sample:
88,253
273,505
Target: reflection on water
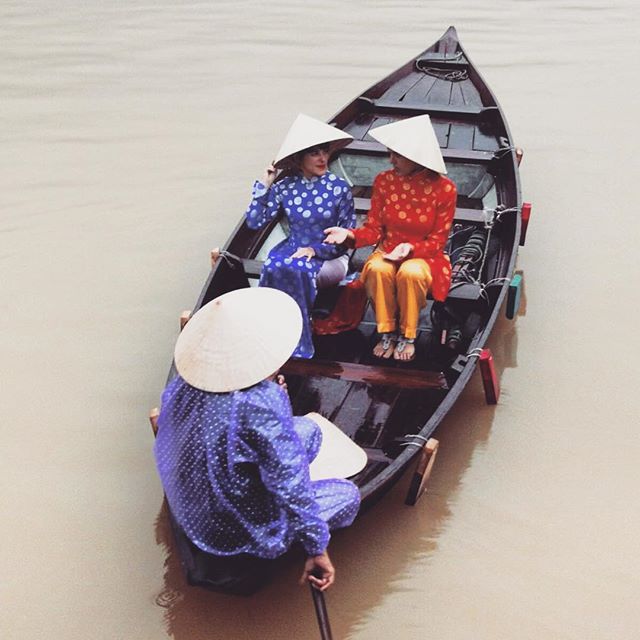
131,136
396,538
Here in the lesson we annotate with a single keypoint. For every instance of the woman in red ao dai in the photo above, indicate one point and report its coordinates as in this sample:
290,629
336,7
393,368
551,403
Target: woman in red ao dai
412,210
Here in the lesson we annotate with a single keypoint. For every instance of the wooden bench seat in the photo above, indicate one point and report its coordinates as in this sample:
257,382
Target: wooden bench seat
369,374
466,292
449,155
434,111
462,214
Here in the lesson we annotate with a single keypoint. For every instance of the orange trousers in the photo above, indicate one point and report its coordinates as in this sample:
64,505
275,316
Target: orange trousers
392,286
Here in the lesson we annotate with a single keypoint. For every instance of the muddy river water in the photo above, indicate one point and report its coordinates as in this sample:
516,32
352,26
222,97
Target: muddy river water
130,135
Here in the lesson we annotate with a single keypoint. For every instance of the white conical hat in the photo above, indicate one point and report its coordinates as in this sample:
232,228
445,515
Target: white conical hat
413,138
238,339
339,455
308,132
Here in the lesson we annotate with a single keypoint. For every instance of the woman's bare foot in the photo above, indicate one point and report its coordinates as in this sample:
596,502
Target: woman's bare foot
405,350
385,347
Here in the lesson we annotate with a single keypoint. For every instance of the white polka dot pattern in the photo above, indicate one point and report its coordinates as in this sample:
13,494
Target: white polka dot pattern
235,469
311,205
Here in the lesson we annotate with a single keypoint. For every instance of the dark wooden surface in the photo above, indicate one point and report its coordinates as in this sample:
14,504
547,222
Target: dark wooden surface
376,403
373,375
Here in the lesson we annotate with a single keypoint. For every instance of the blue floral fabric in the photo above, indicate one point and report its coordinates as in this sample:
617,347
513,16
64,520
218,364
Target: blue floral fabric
311,205
235,470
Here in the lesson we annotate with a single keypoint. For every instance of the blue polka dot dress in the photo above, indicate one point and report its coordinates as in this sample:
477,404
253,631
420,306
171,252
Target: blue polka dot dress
235,470
311,205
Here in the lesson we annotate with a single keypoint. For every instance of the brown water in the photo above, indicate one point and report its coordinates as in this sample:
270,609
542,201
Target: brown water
131,133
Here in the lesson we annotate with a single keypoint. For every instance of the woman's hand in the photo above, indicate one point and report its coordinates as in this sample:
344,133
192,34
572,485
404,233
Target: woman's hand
281,382
337,235
304,252
269,176
319,571
400,252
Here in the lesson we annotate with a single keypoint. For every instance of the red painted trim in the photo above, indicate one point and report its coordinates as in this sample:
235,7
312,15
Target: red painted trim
489,377
525,215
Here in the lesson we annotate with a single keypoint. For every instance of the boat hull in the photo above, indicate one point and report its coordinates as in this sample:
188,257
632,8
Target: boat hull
393,410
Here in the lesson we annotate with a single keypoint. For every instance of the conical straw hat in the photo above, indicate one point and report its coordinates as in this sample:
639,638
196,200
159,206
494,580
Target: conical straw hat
308,132
413,138
339,455
238,339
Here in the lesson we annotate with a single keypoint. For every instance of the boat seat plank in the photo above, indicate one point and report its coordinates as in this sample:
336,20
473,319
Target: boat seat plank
446,111
463,292
364,413
359,257
462,214
440,93
379,120
358,128
362,204
322,395
471,94
399,89
450,155
482,141
456,98
469,215
442,130
418,93
369,374
461,136
252,267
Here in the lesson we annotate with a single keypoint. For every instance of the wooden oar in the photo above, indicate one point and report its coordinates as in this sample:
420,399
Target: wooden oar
321,613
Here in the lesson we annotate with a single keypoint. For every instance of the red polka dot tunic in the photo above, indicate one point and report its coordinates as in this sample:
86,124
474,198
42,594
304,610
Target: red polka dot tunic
418,209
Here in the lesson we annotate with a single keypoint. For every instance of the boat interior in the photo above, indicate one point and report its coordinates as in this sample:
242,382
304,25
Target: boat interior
391,408
379,402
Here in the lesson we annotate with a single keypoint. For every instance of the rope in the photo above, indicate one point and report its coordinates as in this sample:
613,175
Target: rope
503,151
496,281
414,444
232,260
476,250
449,76
415,435
344,172
457,75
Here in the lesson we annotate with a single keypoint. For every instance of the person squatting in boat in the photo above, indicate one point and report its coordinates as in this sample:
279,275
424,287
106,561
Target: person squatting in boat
412,210
233,460
312,198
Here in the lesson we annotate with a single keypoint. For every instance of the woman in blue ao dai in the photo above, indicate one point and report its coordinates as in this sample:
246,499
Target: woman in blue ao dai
312,200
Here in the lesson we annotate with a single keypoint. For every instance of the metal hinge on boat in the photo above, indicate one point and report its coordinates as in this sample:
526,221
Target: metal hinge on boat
459,363
488,372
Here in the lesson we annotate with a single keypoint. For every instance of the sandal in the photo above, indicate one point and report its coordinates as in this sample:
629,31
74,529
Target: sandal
401,348
386,346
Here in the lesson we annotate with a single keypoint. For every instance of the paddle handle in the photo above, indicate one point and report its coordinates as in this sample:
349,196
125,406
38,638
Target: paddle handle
321,613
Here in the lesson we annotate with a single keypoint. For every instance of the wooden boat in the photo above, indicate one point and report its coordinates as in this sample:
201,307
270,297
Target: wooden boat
392,409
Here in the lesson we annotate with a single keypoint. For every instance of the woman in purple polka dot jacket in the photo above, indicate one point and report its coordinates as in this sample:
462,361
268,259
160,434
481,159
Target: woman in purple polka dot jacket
233,460
312,199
